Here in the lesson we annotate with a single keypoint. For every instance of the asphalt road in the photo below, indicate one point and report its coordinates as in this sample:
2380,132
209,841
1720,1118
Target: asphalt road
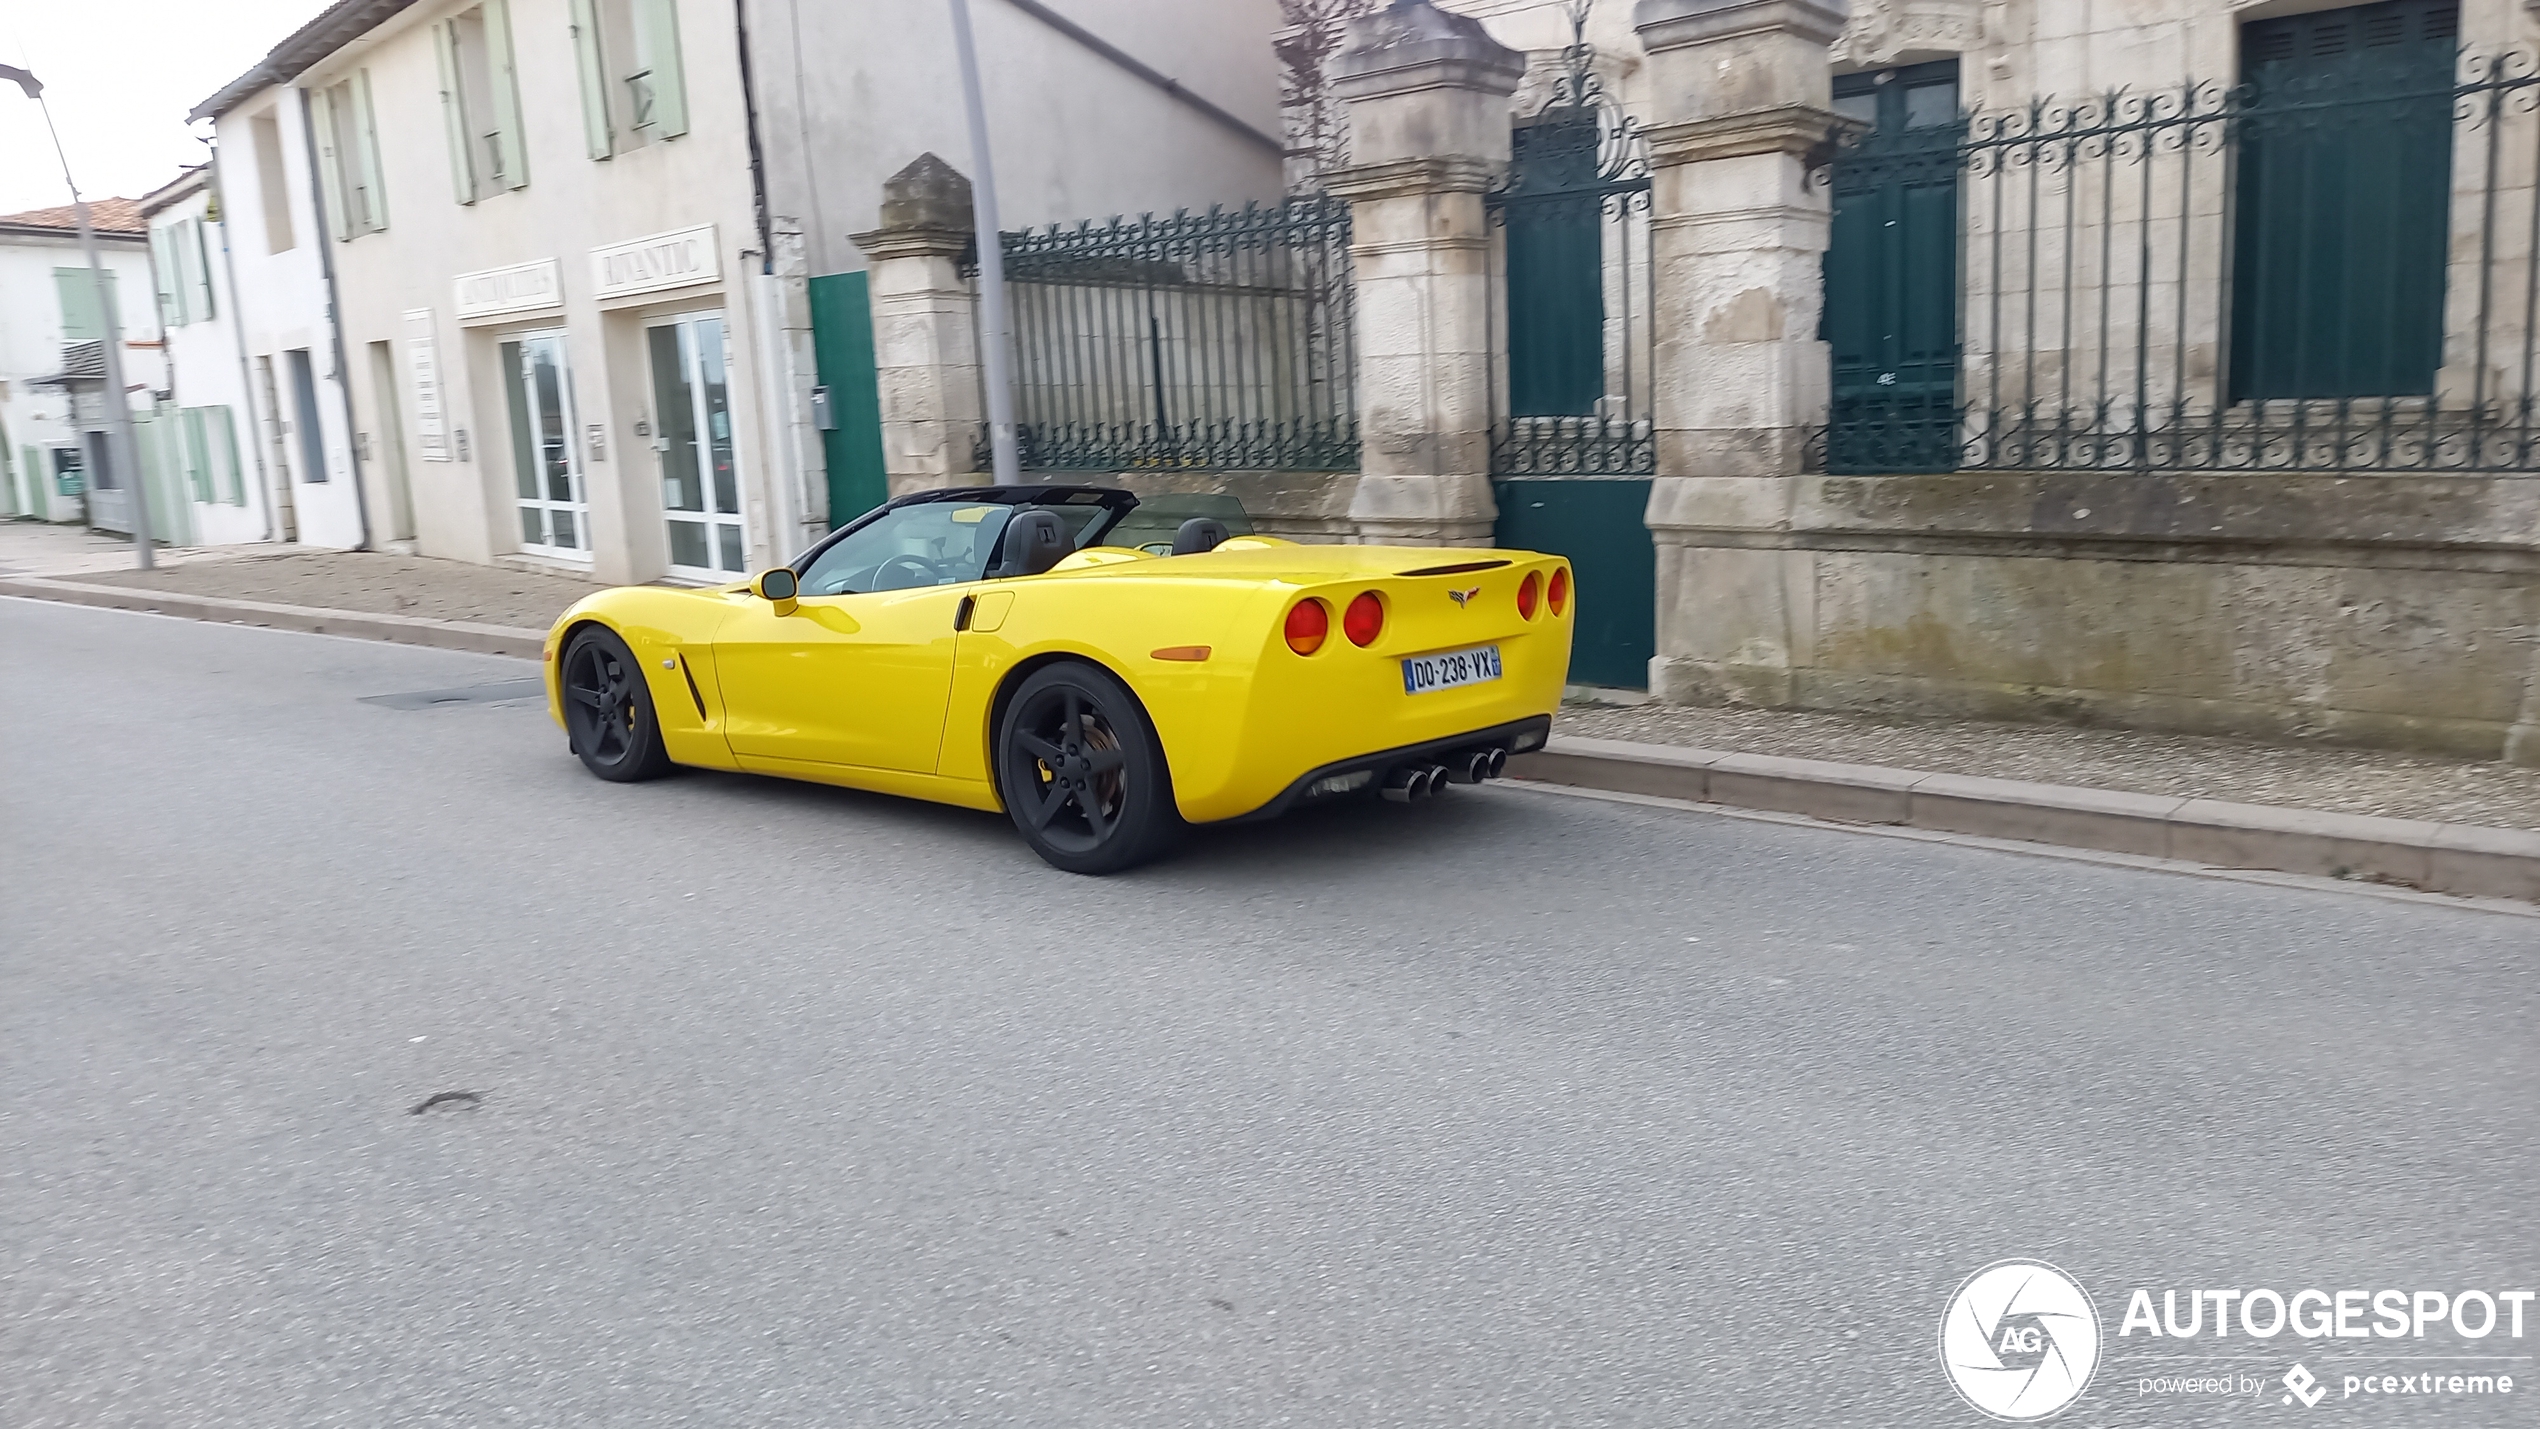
802,1107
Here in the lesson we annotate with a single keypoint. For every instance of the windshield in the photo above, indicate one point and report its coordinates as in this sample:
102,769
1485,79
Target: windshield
928,544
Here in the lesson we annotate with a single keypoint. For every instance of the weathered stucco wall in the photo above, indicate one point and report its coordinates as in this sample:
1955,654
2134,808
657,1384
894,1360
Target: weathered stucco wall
2389,610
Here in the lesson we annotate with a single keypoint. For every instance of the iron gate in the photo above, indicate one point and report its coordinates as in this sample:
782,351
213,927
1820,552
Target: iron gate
2331,263
1218,340
1572,448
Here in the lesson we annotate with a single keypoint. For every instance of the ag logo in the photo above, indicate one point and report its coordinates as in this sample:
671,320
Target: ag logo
2019,1340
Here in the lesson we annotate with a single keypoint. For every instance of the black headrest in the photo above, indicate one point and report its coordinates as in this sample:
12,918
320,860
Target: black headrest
1034,542
1198,534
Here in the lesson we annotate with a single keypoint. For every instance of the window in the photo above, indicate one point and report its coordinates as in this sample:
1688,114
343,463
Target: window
546,461
480,100
304,421
81,319
934,543
208,455
627,53
348,157
270,184
2343,207
692,430
178,262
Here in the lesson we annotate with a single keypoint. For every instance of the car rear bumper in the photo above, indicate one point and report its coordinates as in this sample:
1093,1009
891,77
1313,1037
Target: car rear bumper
1517,737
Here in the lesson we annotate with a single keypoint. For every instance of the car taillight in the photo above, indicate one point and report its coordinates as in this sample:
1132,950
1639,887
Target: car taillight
1527,591
1559,596
1308,622
1364,620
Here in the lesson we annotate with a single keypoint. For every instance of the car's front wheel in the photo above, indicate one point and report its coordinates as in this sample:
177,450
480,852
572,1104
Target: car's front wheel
608,711
1081,771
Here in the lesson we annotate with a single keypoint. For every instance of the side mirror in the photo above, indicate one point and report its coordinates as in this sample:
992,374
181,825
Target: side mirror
777,587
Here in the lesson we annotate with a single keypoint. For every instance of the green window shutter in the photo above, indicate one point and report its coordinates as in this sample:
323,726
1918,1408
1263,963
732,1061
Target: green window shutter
454,112
198,463
657,49
81,320
368,128
595,78
193,258
164,276
220,432
330,163
506,85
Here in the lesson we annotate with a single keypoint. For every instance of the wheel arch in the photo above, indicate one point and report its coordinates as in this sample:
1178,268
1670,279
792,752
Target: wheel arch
1024,669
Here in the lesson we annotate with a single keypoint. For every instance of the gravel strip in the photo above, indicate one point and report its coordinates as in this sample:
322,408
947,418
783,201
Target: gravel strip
2336,780
372,583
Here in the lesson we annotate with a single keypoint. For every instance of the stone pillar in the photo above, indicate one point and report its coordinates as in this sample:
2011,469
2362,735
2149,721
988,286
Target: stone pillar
925,328
1426,98
1737,233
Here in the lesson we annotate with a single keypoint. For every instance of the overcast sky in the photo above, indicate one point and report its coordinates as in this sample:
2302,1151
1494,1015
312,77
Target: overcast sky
120,75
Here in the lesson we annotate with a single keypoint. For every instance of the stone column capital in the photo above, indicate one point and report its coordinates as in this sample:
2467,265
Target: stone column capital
926,213
1674,24
1413,45
1801,129
1407,178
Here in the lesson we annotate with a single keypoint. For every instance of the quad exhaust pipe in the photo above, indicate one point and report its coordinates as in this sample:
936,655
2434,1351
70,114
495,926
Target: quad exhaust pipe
1411,783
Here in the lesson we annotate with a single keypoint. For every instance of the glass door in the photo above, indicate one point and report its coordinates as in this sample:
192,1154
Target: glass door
546,462
700,491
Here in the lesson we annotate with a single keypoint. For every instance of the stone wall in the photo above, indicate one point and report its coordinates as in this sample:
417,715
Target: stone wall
2393,610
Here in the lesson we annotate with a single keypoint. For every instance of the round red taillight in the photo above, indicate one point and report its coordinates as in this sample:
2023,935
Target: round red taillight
1364,620
1559,596
1309,621
1527,592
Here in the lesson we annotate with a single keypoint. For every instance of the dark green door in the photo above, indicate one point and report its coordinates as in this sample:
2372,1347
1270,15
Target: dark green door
842,346
1891,315
1556,267
1600,526
2345,181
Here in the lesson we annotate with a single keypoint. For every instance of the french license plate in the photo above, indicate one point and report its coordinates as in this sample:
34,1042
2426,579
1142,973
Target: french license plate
1423,673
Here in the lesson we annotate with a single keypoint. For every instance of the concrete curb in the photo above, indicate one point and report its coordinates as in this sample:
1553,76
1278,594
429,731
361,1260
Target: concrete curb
401,629
2466,859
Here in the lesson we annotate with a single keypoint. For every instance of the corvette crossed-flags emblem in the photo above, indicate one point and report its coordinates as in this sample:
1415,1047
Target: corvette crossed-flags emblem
1463,597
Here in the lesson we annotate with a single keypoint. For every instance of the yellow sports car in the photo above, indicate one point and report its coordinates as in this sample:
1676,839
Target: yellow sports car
1099,669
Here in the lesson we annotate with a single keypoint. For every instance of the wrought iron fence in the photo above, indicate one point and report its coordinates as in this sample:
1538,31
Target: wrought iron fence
1218,340
2327,266
1572,316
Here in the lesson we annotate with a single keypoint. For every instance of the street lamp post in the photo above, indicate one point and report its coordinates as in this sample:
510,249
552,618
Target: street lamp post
996,338
122,451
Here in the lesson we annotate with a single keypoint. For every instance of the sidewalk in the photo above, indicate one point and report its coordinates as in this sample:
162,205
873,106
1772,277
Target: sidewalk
364,581
2325,778
416,591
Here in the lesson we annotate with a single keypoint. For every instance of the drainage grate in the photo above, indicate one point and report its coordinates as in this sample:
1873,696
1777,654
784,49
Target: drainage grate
499,692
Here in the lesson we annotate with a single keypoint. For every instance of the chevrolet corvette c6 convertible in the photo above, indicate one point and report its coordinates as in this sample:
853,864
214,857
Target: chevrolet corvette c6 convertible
1090,666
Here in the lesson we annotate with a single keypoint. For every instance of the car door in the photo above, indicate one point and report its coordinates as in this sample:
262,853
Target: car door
850,679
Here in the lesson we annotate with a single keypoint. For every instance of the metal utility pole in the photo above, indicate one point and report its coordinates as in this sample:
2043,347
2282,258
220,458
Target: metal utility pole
996,335
122,452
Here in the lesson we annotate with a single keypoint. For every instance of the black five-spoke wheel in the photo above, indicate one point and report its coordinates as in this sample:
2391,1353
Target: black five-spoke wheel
608,712
1081,771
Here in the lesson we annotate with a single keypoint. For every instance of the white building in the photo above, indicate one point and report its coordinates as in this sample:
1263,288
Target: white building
588,267
52,442
204,428
278,267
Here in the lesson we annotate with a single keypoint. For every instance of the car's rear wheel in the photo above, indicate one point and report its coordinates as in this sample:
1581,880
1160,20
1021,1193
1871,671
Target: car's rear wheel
608,711
1081,771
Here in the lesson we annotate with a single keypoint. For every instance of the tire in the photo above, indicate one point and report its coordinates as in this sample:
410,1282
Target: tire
608,709
1081,771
